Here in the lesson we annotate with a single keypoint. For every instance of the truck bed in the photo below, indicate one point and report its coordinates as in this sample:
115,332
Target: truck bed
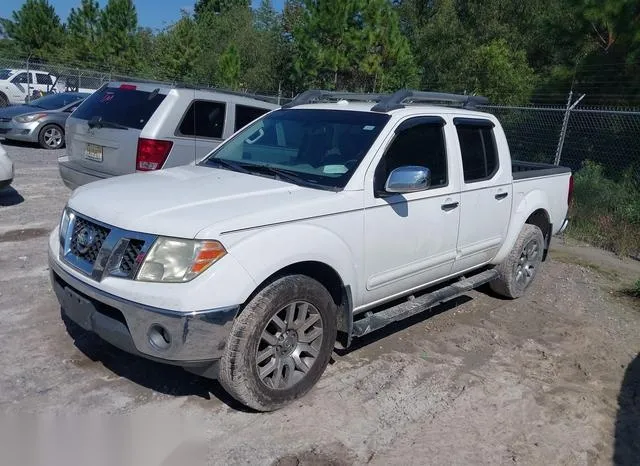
523,170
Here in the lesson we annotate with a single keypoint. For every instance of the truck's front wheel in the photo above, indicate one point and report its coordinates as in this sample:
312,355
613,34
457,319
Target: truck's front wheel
280,344
520,267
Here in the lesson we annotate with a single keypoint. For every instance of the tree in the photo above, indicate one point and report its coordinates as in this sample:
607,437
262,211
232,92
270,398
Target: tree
501,73
36,28
118,28
350,44
266,17
178,50
83,30
217,6
228,75
258,50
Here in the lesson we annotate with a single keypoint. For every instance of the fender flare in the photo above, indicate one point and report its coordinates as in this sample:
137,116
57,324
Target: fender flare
532,202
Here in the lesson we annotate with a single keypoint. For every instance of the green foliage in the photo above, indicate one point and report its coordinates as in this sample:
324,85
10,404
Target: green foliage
36,28
177,50
83,33
606,213
118,41
203,7
508,50
229,68
351,44
501,73
259,50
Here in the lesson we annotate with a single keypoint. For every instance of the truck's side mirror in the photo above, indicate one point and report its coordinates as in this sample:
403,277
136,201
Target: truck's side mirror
409,179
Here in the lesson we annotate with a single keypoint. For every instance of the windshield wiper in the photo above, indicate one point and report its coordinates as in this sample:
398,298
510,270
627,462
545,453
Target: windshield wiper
229,165
98,122
289,176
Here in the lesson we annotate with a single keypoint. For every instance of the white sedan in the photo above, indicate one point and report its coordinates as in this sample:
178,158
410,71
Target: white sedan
6,169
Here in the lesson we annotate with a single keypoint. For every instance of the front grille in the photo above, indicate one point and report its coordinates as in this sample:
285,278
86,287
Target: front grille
128,263
93,235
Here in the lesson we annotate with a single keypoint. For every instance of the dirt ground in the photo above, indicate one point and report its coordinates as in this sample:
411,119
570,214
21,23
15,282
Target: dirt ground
552,378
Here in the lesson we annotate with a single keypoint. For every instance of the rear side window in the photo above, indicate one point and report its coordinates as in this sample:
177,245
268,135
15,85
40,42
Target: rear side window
22,79
478,148
124,106
246,114
203,119
42,78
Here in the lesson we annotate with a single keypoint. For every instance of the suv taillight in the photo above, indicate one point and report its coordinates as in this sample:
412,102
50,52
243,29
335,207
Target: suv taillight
152,153
570,195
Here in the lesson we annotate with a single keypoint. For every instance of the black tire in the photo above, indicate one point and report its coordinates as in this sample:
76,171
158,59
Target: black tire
3,100
46,139
239,367
520,267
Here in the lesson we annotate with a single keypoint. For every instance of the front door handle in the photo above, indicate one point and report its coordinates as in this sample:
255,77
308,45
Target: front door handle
450,206
500,196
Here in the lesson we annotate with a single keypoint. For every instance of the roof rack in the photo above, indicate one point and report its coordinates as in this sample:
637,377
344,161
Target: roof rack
388,102
317,94
397,99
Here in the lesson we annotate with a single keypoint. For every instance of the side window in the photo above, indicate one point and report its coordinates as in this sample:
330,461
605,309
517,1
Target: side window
245,115
42,78
421,144
203,119
20,79
478,149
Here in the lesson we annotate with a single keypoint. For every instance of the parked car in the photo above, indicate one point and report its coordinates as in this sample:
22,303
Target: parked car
6,169
128,127
16,85
317,223
42,121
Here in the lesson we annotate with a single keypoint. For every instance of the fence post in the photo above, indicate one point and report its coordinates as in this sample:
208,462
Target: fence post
565,124
28,99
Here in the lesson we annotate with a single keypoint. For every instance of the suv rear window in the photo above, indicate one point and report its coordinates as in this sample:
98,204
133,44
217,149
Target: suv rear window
128,107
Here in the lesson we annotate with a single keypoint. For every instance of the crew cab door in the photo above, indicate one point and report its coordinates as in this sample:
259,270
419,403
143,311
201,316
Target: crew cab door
21,83
410,239
486,191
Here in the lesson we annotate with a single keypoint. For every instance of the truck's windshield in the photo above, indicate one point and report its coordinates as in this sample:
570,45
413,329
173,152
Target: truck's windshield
318,147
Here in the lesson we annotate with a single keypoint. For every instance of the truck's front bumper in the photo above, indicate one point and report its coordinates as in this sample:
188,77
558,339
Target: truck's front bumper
194,340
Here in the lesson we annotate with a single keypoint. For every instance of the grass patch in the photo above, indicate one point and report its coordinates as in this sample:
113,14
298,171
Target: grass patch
605,212
574,260
634,291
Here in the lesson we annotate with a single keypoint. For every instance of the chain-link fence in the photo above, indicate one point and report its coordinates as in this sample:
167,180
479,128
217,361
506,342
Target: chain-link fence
63,78
568,136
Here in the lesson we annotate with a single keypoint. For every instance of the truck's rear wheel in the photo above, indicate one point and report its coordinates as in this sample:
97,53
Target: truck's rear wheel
280,344
520,267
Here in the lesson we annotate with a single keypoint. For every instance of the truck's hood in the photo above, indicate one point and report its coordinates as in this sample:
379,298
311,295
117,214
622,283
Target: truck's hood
183,201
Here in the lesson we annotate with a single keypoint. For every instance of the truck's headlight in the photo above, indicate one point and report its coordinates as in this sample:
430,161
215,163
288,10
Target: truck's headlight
30,117
64,225
179,260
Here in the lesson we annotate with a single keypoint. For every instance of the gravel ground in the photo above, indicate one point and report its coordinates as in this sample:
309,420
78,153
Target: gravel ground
552,378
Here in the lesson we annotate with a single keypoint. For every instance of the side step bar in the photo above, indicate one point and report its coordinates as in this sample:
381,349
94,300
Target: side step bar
376,320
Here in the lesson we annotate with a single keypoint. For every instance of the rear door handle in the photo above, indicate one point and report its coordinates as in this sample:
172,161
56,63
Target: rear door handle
501,196
450,206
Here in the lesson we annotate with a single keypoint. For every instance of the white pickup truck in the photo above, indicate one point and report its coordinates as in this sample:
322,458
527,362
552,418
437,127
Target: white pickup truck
316,223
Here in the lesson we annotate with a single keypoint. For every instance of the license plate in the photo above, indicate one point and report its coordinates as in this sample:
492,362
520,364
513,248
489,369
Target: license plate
93,152
77,308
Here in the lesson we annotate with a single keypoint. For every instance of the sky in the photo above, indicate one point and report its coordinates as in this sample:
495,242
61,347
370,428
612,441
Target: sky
151,13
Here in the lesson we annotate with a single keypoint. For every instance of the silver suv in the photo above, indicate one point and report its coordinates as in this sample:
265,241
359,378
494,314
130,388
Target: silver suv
128,127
